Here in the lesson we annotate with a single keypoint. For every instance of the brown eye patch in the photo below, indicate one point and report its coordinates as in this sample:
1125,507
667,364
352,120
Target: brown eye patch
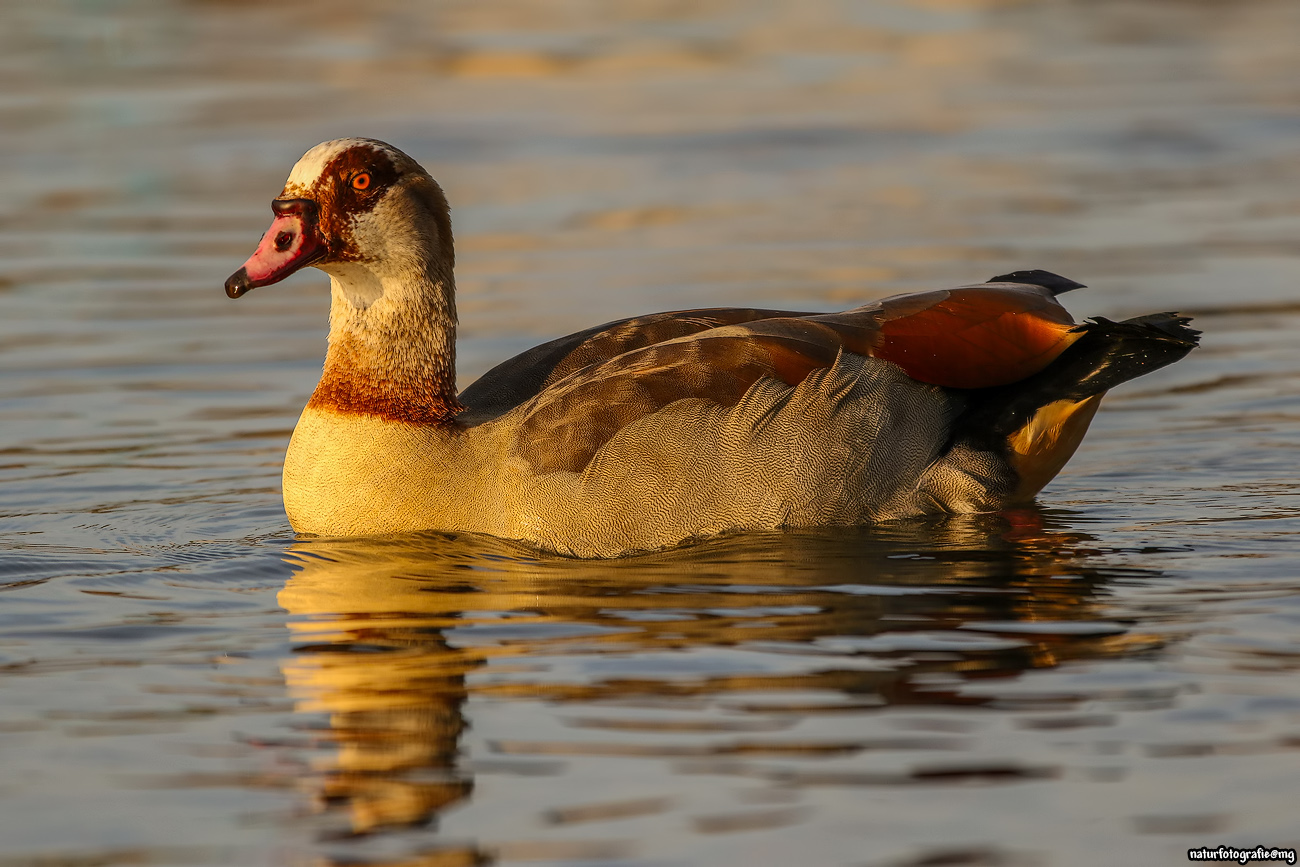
351,184
362,168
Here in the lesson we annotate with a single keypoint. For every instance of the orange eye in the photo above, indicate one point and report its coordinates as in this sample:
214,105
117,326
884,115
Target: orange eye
361,181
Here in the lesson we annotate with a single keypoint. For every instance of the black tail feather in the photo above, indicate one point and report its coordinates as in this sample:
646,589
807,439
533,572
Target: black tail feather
1054,283
1107,354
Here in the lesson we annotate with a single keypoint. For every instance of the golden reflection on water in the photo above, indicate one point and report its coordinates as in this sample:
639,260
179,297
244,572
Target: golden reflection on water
394,635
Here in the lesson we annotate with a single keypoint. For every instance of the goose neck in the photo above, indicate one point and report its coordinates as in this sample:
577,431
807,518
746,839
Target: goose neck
392,348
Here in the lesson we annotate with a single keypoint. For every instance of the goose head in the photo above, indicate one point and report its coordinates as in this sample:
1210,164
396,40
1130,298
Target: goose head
369,216
363,212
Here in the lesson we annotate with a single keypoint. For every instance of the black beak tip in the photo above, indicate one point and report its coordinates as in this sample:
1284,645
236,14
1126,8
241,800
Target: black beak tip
238,284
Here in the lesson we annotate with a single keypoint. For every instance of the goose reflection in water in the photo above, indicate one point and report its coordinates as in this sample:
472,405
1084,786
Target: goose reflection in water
395,634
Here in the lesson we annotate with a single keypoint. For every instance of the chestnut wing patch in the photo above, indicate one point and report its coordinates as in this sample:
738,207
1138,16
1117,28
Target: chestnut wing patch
978,336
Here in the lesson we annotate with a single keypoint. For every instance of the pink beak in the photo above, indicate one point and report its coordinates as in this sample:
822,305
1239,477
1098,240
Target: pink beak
292,242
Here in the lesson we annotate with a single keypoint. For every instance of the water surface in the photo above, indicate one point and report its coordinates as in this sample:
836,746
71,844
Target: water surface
1109,676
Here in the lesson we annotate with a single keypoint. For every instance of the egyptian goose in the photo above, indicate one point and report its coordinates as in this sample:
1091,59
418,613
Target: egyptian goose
642,433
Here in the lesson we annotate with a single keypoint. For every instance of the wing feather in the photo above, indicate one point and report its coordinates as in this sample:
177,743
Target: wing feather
590,386
526,375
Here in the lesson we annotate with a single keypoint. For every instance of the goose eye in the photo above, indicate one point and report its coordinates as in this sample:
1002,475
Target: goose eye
361,181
